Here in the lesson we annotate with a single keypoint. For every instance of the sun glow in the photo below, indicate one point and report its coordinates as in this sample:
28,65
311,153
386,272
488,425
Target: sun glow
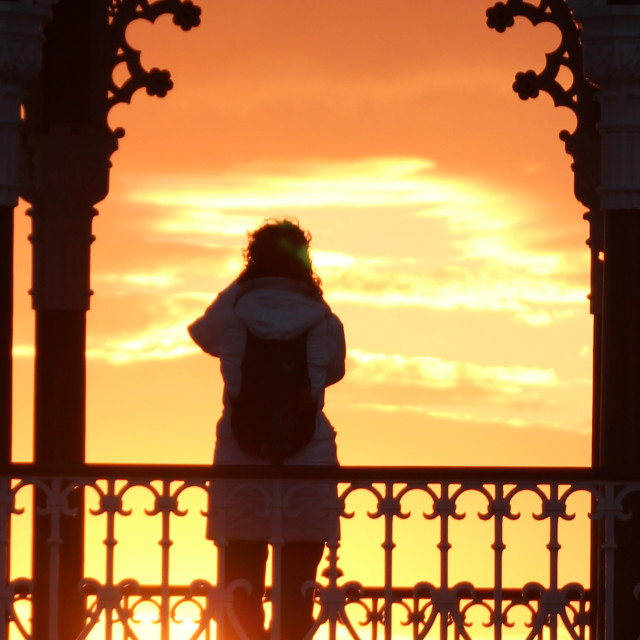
376,182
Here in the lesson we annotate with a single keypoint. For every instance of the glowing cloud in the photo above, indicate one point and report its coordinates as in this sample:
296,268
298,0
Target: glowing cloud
381,368
488,267
455,417
364,183
389,283
158,343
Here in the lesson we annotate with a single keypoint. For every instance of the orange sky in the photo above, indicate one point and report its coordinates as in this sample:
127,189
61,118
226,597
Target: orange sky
443,220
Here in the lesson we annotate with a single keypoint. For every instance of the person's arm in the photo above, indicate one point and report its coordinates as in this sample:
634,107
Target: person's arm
326,352
338,350
208,330
203,331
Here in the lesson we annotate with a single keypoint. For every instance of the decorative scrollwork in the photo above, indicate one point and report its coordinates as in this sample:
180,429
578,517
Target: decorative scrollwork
427,601
583,144
579,95
166,502
388,506
58,502
110,599
12,595
333,601
445,604
156,82
445,505
554,507
554,607
110,500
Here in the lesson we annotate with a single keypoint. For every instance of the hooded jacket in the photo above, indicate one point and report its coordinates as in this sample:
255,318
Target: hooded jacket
271,308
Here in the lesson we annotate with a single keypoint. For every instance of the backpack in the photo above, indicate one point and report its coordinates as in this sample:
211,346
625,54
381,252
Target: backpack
274,414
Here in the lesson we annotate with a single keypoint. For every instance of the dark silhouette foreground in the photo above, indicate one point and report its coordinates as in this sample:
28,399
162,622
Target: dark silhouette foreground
276,297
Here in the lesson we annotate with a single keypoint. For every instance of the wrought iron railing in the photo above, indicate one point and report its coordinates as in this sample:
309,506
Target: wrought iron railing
424,552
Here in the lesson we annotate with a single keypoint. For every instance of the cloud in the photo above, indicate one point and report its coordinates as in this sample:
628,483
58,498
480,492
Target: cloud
368,435
162,342
291,80
486,258
157,280
424,384
491,287
169,339
373,282
334,260
393,134
427,371
441,391
263,187
458,418
487,221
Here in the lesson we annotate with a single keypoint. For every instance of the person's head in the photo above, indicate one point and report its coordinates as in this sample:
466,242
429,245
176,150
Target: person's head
279,248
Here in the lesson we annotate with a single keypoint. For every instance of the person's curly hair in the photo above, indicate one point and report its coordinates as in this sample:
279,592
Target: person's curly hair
280,248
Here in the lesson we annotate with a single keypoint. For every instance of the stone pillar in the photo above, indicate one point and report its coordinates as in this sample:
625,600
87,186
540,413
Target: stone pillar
69,148
70,175
20,55
611,39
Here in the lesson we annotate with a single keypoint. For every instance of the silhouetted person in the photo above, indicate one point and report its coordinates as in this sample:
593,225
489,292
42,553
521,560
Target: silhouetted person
277,296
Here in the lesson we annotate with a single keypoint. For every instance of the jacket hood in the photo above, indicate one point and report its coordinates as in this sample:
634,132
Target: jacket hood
278,308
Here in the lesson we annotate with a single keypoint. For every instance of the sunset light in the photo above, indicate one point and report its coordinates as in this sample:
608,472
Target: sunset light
448,251
452,249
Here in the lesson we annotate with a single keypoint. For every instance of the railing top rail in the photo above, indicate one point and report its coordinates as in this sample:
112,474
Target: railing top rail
345,473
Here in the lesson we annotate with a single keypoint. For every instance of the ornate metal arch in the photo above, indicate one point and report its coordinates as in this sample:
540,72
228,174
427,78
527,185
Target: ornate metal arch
121,13
583,144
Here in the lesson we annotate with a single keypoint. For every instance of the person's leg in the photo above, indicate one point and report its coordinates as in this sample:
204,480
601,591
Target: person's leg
300,561
246,560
